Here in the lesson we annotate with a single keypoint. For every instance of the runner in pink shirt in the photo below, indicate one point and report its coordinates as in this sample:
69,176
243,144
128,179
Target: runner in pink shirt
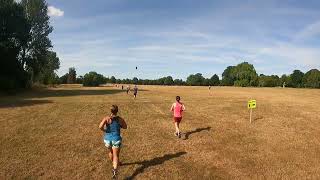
177,109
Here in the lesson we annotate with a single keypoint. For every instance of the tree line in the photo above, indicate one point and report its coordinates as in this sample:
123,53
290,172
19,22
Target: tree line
243,74
25,48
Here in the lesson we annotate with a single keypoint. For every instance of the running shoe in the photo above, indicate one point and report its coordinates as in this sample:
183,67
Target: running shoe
114,173
179,135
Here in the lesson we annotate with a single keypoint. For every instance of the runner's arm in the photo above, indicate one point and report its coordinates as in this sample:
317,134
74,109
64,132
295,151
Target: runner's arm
102,123
123,123
172,107
183,107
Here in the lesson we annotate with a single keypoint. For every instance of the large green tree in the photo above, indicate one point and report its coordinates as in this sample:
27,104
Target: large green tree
228,77
214,80
195,79
312,79
135,80
35,51
168,80
72,76
47,74
93,79
25,46
296,78
245,75
14,33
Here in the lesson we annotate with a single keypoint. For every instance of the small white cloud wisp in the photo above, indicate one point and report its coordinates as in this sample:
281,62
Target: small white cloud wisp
55,12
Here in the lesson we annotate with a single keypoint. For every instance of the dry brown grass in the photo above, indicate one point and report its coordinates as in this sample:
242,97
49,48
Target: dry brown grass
54,134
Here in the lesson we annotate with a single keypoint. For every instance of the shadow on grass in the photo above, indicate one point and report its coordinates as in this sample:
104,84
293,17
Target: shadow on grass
22,103
196,131
71,92
258,118
25,99
152,162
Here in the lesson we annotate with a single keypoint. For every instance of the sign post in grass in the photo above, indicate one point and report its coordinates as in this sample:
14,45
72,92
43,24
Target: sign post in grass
252,104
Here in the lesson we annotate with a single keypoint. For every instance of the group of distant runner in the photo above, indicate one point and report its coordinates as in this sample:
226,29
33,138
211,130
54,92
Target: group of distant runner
111,126
128,89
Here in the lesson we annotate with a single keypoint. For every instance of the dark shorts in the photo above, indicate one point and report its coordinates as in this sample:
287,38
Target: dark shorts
135,93
177,119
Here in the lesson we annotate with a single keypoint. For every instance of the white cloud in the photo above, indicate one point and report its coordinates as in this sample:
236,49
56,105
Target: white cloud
53,11
308,57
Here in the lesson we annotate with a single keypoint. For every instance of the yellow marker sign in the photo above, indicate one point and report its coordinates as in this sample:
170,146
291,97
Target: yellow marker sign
252,104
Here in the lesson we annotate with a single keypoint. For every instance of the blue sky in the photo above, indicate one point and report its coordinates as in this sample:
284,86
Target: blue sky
184,37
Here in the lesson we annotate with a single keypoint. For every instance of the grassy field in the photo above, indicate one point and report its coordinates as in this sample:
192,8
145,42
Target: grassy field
53,133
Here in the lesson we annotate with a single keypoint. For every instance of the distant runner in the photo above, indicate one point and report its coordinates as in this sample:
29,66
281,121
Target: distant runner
128,89
177,109
111,125
135,91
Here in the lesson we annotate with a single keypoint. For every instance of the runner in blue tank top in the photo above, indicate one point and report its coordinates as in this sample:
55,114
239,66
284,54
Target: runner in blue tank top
112,125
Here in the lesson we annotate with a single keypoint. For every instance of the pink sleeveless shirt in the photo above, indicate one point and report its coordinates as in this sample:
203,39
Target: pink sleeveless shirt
177,111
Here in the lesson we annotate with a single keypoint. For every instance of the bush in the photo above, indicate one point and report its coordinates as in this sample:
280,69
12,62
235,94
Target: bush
93,79
269,81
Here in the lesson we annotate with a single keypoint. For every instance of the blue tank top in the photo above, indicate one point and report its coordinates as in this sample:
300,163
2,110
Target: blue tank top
113,130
